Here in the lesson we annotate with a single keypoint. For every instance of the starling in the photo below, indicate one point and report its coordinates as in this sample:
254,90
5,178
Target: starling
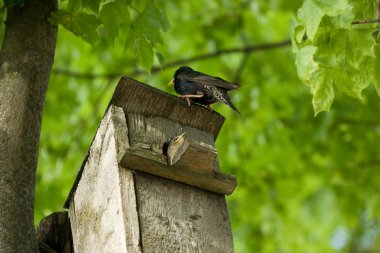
201,88
176,148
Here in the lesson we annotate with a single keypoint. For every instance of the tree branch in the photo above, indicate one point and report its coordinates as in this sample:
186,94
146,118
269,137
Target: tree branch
369,21
246,50
155,69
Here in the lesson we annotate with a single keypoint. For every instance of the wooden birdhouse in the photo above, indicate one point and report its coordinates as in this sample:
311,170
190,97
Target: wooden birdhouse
151,180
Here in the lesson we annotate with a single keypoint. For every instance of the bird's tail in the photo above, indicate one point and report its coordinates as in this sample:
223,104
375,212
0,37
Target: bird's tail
228,102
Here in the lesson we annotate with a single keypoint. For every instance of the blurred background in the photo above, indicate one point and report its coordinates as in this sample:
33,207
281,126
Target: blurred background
305,183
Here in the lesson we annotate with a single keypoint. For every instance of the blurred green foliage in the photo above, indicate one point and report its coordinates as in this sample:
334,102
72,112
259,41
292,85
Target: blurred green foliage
305,183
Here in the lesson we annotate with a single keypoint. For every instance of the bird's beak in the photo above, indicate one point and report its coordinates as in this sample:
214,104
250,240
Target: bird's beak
171,83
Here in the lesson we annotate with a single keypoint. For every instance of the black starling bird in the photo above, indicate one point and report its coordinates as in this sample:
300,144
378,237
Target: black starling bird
201,88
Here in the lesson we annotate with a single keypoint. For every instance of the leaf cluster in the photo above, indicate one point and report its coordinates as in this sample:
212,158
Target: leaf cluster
332,52
100,23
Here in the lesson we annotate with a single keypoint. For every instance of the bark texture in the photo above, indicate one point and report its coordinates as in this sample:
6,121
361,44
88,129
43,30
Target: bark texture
26,59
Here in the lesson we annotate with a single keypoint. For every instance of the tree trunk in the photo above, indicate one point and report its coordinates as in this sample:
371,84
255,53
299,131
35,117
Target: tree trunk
26,59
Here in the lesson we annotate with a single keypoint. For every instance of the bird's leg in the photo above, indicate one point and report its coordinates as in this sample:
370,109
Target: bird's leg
187,97
187,100
192,96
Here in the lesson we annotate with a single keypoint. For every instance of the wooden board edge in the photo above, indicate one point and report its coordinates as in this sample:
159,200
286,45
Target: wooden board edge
220,183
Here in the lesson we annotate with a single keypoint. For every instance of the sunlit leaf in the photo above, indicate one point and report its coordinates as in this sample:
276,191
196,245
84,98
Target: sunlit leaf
344,53
310,15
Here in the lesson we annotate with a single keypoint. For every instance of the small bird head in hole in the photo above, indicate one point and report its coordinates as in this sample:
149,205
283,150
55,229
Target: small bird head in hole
201,88
175,148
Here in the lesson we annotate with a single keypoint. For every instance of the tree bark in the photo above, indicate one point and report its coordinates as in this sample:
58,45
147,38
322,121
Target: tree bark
26,59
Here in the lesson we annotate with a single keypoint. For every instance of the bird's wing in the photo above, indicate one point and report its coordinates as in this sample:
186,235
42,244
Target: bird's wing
204,79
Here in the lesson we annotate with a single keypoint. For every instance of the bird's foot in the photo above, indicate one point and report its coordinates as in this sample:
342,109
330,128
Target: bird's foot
187,97
188,101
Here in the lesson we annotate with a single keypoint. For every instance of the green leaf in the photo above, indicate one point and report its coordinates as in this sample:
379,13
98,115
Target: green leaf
113,15
297,33
93,5
152,21
310,15
144,51
132,35
335,54
312,12
306,65
318,81
322,90
348,53
364,10
145,33
81,24
74,5
333,8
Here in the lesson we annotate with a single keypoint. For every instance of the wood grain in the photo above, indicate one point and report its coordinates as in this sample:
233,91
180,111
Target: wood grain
96,209
129,203
180,218
54,231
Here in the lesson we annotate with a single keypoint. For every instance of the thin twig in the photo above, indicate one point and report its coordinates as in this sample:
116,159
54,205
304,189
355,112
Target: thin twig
369,21
246,50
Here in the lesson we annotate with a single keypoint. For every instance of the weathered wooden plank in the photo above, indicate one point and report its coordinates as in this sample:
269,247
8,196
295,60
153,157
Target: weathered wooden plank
139,98
54,232
199,156
152,133
153,163
180,218
129,202
96,210
117,118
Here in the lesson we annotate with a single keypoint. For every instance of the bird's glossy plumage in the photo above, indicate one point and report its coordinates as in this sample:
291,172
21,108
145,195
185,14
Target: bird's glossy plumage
202,88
